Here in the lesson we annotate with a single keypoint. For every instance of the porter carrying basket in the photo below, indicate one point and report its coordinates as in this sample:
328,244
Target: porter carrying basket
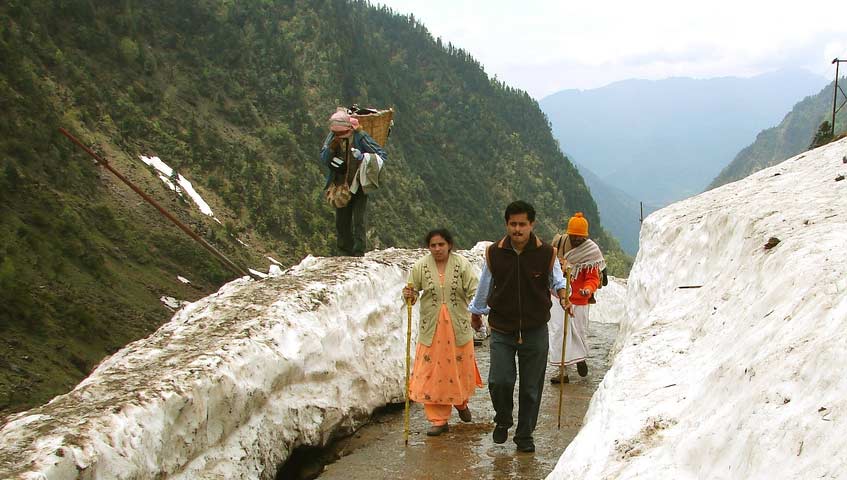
377,123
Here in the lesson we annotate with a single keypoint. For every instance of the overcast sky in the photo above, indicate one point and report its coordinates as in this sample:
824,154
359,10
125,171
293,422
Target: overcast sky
543,46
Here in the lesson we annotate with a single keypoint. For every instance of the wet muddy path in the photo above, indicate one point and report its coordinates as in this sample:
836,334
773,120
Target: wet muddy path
377,451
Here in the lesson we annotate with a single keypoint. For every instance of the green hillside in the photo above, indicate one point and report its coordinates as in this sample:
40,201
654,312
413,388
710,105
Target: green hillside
792,136
235,96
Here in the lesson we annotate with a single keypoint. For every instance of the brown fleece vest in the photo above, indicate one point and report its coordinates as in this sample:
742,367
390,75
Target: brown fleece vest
520,291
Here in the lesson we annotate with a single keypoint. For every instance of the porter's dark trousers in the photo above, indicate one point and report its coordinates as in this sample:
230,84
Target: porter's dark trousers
350,225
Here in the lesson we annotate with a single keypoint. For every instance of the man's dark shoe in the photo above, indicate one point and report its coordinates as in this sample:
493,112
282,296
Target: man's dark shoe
500,434
465,415
437,430
555,379
582,368
527,446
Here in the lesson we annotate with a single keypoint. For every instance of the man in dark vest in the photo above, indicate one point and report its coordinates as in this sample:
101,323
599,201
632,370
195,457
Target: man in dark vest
514,291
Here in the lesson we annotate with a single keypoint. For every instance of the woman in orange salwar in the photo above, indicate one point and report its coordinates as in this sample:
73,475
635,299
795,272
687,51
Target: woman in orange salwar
445,374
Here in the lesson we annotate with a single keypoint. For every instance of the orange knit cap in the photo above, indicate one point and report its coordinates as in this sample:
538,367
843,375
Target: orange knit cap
578,225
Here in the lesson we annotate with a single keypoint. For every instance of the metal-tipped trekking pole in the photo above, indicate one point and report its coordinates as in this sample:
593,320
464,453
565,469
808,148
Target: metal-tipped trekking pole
564,345
408,359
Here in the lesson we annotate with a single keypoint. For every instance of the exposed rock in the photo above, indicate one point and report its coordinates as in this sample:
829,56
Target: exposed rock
771,243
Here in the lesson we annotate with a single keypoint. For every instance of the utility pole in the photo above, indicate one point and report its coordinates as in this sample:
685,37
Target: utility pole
835,90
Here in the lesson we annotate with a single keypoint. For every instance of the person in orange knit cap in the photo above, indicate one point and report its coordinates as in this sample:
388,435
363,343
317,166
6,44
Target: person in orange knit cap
583,256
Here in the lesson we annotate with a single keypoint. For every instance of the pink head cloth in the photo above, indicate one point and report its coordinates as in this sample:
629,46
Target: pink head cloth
340,123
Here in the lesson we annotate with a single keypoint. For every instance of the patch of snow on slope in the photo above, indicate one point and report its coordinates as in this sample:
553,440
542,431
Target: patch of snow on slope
184,184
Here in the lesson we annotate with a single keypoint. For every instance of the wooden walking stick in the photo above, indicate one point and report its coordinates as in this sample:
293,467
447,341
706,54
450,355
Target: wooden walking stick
564,345
408,360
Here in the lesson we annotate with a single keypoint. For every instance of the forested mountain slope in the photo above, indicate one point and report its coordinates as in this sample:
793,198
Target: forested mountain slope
235,96
792,136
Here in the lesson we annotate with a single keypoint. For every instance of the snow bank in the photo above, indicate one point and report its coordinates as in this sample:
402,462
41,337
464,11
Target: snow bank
611,302
742,377
234,382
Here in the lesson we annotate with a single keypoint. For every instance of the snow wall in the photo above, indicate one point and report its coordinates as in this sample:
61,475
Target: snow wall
234,382
611,302
741,377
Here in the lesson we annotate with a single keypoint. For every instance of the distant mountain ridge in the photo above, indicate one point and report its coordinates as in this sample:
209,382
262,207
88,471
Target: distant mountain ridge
664,140
793,135
620,213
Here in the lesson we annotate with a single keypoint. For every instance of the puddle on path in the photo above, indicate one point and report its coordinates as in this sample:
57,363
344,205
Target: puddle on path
377,451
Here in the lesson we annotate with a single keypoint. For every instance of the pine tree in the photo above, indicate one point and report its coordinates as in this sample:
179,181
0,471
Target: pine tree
823,135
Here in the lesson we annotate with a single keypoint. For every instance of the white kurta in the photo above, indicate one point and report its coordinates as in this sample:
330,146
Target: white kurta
577,347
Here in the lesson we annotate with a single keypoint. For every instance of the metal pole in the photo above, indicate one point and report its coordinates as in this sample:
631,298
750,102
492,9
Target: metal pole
641,217
235,268
834,96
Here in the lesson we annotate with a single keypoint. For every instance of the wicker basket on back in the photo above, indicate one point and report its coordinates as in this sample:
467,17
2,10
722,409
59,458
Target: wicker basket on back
377,123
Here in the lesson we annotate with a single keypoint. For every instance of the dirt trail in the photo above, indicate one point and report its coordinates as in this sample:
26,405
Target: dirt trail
376,451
